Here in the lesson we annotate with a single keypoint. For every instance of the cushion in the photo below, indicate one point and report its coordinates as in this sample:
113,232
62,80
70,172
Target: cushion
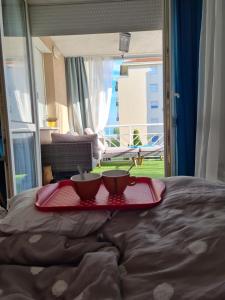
73,132
151,148
69,138
88,131
111,152
117,150
101,146
24,217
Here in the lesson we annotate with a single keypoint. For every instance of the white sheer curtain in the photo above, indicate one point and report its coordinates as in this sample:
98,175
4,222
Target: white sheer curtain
99,75
210,143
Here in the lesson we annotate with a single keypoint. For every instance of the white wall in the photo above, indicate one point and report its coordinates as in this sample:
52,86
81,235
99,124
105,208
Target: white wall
40,86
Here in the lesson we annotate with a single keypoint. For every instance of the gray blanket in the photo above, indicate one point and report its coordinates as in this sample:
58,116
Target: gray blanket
173,251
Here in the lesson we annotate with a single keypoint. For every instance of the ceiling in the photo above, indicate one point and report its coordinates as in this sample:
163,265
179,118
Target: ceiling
141,43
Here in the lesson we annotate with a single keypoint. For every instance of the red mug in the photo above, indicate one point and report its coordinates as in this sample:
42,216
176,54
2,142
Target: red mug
88,187
116,181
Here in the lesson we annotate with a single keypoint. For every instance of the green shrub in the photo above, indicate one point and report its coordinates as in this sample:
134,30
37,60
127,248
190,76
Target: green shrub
116,130
136,138
113,143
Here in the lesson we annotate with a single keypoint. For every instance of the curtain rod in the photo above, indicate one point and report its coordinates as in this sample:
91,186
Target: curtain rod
120,56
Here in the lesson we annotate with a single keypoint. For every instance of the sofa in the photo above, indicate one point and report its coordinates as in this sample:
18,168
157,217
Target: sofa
66,152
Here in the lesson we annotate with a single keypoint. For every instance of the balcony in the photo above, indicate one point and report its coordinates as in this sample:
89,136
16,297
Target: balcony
135,135
146,139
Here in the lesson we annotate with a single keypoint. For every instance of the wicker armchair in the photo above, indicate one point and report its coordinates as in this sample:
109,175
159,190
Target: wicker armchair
65,157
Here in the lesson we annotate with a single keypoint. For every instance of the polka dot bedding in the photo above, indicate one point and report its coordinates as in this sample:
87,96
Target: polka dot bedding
172,251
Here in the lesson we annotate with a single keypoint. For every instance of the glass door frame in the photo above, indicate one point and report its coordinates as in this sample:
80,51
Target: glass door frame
168,133
11,127
5,129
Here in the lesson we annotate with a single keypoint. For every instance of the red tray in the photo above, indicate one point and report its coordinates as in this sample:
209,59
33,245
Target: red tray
62,195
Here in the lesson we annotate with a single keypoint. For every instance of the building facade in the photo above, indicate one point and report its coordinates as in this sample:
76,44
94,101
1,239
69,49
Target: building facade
140,98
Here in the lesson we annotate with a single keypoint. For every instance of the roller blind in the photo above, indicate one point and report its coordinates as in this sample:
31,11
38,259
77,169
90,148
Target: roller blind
87,18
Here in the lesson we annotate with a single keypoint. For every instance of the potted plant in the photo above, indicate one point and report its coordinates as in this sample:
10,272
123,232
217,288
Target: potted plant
137,142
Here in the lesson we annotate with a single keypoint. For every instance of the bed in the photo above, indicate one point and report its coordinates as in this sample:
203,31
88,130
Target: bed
173,251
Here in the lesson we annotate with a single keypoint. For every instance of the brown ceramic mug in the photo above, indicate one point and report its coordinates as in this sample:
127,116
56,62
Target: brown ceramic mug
88,187
116,181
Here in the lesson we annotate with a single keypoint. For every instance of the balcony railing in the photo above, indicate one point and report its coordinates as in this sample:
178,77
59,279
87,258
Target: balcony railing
149,134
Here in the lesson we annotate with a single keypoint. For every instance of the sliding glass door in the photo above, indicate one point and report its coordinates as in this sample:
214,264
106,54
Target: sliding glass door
20,99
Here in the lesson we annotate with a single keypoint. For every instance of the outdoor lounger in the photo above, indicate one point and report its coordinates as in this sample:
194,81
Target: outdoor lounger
128,152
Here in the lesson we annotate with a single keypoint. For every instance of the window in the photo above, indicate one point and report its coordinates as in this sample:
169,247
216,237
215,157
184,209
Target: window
153,87
153,70
116,86
154,104
123,70
25,172
23,146
154,120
